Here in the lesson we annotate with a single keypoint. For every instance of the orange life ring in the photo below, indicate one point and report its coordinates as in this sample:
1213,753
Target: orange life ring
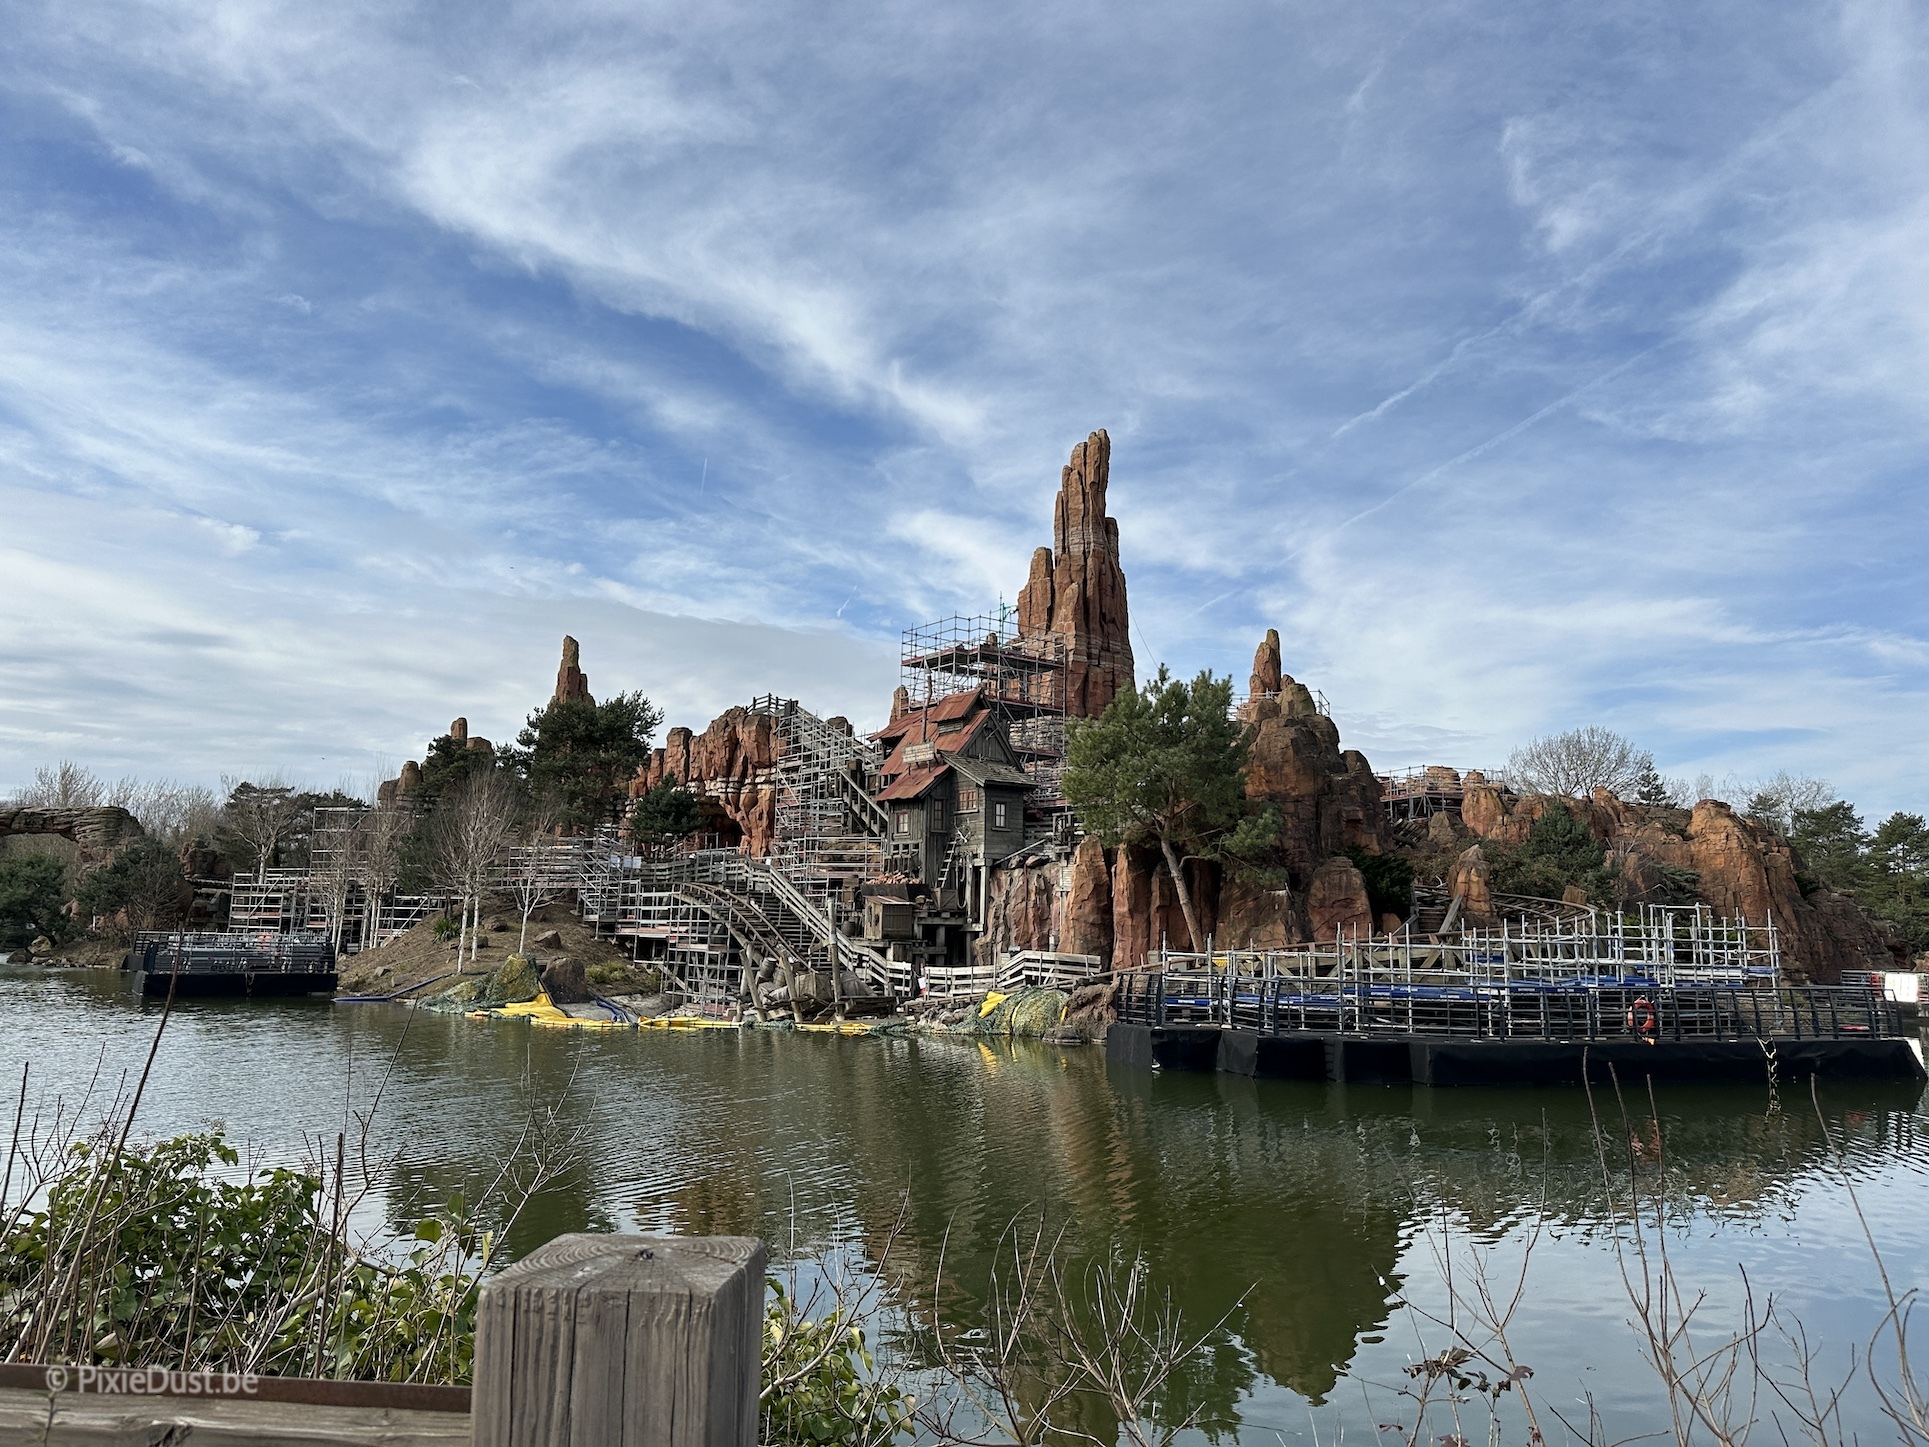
1641,1017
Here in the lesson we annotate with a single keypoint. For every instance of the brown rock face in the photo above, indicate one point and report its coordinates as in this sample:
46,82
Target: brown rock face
1328,799
571,682
1266,666
1257,916
1088,904
1336,900
727,767
96,832
1077,588
1472,881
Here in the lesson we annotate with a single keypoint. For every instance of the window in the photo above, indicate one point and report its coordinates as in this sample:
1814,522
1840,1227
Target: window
968,801
904,821
998,816
937,816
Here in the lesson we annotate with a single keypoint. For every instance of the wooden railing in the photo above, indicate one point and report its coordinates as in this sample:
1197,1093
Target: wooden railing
590,1339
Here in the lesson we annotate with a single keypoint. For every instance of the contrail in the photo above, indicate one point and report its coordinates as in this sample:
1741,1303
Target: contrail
1475,451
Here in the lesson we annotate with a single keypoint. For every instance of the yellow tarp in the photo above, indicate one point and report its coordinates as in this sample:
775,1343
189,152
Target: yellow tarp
541,1011
992,1001
686,1022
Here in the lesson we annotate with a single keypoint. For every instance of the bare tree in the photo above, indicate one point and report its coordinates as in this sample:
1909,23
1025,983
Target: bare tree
1777,799
378,860
65,785
261,816
176,814
1578,762
540,872
474,823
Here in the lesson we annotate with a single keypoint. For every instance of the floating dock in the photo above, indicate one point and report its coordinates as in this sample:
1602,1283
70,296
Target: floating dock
238,963
1669,994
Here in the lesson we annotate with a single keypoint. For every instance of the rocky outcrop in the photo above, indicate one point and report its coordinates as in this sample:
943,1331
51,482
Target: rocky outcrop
1471,881
459,731
1741,869
572,684
728,767
1087,928
1076,589
95,832
1328,798
1267,671
1336,901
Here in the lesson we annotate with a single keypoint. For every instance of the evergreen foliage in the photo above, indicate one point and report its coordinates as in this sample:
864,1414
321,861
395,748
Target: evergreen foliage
144,879
574,754
33,896
1557,852
1389,882
1652,790
664,816
447,762
1164,766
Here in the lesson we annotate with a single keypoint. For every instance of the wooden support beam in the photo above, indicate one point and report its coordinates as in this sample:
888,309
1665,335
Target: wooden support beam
629,1341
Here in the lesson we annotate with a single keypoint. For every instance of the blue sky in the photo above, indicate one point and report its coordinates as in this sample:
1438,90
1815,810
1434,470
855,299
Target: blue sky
1526,365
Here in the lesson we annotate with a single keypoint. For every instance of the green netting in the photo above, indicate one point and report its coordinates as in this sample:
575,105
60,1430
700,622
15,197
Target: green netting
1026,1012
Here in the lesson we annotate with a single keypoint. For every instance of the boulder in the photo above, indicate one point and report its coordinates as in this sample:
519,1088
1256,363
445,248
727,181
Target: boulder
1336,900
514,982
565,982
549,939
1440,830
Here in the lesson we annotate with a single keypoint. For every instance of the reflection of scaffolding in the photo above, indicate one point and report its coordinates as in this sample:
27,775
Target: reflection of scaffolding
707,916
1025,678
830,830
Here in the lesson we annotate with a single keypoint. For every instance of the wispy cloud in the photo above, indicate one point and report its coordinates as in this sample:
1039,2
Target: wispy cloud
1527,367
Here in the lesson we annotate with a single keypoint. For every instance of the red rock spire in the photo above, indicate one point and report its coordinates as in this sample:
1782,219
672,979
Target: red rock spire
1079,593
571,681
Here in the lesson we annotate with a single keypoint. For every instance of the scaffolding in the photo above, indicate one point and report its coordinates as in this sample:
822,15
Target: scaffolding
1421,792
1554,974
709,918
1024,678
831,831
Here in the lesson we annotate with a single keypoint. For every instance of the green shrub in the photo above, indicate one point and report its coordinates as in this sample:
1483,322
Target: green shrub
150,1256
820,1386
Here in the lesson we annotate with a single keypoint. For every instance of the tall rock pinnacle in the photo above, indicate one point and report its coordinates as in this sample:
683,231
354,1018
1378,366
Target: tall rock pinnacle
1077,589
571,681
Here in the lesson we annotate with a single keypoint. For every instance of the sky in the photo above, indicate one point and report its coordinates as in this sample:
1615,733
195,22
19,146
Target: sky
1526,365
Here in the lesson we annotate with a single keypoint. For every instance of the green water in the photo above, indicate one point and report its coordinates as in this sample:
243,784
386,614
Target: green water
1293,1211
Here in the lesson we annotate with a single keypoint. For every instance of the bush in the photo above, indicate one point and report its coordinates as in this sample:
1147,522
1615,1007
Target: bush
820,1385
33,895
1557,852
159,1260
1389,882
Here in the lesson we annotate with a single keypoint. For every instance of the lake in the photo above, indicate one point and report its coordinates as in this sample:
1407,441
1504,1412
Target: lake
1299,1214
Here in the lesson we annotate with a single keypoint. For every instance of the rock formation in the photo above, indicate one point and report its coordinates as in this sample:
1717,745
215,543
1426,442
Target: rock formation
572,684
1741,868
95,832
1077,589
728,767
1336,900
1266,667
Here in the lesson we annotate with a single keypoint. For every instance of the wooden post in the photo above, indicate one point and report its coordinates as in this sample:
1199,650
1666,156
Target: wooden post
629,1341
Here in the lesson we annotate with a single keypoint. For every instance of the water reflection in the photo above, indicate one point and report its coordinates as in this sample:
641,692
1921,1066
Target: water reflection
1288,1208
